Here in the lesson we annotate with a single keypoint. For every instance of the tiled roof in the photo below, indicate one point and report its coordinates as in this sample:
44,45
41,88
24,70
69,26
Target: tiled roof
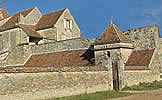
11,23
26,12
62,59
30,30
112,34
140,58
46,20
49,19
4,14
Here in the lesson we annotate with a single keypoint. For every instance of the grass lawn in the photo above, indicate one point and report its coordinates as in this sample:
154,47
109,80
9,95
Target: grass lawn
95,96
113,94
144,86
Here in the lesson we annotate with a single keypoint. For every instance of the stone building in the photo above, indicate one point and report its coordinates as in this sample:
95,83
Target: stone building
32,42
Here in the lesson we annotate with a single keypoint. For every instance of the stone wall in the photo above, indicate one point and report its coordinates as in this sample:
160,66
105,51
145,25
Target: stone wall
144,38
160,53
134,77
31,86
49,35
28,50
62,32
32,18
124,50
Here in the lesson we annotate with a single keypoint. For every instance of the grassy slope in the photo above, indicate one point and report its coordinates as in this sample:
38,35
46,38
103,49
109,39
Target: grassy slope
145,86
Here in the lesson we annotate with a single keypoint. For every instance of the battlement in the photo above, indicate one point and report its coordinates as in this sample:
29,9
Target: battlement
144,37
151,28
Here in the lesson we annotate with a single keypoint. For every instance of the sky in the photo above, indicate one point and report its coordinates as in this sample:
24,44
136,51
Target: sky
93,16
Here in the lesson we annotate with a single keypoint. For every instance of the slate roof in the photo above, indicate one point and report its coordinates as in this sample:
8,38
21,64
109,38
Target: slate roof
112,34
140,58
11,23
76,58
48,20
30,30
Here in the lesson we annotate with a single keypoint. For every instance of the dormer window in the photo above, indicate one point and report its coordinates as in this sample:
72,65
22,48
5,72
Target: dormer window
67,24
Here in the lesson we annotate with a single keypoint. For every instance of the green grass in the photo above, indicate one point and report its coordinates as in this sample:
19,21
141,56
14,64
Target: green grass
95,96
144,86
113,94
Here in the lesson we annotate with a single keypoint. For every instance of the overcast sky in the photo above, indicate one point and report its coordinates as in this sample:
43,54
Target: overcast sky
93,16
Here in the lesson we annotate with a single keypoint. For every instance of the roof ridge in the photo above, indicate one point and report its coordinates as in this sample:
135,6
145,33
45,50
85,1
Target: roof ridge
55,11
23,11
66,50
49,19
116,31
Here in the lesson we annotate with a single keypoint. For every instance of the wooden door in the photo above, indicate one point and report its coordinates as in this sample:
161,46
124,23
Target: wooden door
115,73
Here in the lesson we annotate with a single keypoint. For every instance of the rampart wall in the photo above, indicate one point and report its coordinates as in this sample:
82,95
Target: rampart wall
43,85
20,54
145,37
134,77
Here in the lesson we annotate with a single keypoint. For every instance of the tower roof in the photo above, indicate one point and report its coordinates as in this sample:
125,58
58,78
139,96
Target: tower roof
112,34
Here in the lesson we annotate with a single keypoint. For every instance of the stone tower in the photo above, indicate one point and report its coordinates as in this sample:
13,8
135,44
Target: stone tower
114,48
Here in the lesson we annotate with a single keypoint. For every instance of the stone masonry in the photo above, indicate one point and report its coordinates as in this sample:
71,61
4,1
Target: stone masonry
44,56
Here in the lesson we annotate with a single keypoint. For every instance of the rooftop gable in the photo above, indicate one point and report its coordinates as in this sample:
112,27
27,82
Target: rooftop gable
49,19
11,23
45,21
112,34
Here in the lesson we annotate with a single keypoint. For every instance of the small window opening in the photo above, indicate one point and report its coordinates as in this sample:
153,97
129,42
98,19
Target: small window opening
34,40
108,53
67,24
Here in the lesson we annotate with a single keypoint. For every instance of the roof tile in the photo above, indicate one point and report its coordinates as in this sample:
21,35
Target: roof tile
112,34
49,19
62,59
30,30
11,23
140,58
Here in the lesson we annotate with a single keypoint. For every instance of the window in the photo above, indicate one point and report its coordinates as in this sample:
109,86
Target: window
108,53
67,24
33,40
